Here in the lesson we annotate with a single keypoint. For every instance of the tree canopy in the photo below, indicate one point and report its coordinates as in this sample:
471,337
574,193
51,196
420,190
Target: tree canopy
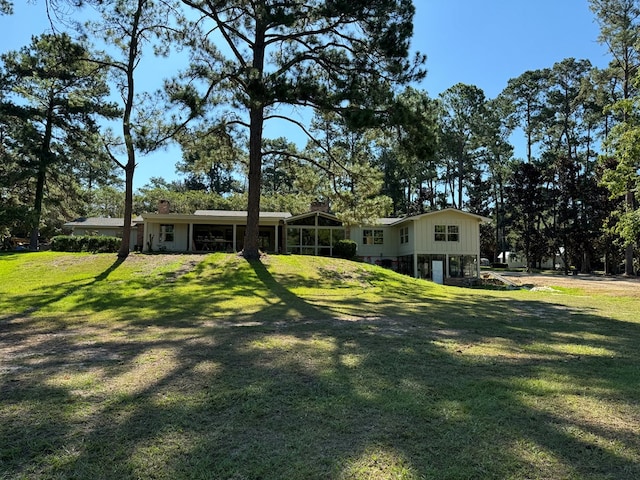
326,55
342,74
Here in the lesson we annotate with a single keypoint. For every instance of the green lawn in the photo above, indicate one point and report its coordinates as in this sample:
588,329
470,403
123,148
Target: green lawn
306,368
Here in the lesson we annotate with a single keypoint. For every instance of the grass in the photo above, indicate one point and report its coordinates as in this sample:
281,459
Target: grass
306,368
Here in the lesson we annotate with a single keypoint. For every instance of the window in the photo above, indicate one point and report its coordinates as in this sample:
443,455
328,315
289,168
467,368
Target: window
166,233
313,241
372,237
447,233
453,233
404,235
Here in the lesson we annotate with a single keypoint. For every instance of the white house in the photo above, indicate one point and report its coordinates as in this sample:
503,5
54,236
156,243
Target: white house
443,243
447,239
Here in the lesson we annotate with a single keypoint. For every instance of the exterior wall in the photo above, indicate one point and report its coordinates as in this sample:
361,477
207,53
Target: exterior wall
384,253
468,228
409,246
180,241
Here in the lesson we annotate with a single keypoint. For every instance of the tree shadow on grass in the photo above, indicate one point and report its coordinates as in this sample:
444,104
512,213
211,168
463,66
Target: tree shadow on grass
49,295
446,389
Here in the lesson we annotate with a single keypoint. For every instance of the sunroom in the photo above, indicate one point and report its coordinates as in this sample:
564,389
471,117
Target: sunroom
313,233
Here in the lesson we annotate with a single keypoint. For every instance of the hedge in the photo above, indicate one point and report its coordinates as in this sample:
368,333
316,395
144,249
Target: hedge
345,249
85,243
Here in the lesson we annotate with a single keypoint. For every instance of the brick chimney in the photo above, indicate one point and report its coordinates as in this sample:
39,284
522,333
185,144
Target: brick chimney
164,206
320,206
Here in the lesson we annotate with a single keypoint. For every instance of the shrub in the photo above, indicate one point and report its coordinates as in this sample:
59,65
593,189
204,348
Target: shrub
85,243
345,249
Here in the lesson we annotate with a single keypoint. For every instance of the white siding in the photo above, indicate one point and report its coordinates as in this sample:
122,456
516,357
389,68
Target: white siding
387,249
408,247
180,237
468,229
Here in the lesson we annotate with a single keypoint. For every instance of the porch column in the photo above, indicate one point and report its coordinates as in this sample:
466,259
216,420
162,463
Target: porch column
284,239
415,247
145,235
275,247
190,237
478,254
234,238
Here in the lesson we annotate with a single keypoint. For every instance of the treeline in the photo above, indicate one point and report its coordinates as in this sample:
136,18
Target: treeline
571,191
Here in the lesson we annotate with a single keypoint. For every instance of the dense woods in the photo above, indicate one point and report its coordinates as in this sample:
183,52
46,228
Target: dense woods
373,143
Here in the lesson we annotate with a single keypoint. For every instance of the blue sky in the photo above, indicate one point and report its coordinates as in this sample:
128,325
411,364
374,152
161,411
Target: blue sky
478,42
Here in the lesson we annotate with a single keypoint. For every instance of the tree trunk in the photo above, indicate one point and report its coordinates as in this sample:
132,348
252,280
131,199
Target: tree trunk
125,246
628,253
250,250
130,167
37,207
256,121
45,154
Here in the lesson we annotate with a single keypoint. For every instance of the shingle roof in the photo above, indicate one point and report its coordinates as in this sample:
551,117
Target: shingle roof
100,222
240,213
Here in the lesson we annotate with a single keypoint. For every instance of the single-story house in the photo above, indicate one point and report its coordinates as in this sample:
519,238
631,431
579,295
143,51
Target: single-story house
108,227
517,260
434,245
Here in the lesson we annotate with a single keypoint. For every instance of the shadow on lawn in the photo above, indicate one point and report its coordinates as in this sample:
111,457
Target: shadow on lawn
50,295
300,392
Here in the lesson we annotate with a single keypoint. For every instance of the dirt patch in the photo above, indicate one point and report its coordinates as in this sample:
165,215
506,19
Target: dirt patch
148,263
589,284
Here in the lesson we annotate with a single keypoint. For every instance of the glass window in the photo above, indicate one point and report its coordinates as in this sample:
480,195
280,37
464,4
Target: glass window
293,237
373,237
324,237
404,235
453,233
166,233
441,233
328,222
308,236
310,220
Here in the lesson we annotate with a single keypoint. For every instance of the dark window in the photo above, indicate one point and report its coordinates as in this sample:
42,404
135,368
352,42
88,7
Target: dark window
373,237
166,233
453,233
404,235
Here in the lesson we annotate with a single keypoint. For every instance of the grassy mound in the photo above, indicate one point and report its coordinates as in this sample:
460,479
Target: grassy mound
178,366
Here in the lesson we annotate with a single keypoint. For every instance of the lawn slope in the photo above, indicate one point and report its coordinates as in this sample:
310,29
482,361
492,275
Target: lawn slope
178,366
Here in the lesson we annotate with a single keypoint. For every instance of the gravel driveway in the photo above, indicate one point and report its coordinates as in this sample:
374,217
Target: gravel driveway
612,285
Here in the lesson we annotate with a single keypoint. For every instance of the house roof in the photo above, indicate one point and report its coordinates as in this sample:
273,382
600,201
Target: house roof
206,216
412,218
241,213
312,214
387,220
101,222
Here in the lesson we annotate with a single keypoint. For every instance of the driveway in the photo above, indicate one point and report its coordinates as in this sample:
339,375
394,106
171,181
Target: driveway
612,285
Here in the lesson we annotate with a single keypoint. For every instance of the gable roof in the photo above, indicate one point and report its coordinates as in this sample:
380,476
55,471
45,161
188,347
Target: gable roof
413,218
314,213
